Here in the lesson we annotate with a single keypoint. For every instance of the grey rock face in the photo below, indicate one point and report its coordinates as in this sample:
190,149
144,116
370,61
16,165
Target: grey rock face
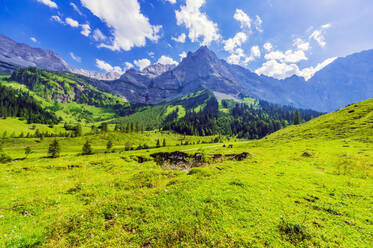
13,53
345,81
24,55
96,75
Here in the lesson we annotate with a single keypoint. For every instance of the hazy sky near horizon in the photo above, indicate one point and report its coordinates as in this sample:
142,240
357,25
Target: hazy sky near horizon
278,38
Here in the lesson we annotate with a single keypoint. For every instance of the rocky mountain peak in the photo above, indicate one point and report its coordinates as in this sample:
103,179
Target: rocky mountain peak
156,70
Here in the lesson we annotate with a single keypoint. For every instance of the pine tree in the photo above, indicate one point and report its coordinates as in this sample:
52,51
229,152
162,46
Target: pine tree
78,130
54,149
87,148
104,127
297,119
109,145
164,142
28,151
158,143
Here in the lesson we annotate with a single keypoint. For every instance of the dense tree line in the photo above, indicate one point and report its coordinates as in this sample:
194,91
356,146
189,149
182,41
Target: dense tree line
15,103
243,120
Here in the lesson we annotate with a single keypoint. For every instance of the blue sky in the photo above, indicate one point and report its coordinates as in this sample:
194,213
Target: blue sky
277,38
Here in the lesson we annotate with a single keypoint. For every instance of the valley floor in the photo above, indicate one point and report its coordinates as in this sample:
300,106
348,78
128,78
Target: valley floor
299,193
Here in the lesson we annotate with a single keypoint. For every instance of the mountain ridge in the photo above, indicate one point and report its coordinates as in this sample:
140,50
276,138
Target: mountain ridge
344,81
24,55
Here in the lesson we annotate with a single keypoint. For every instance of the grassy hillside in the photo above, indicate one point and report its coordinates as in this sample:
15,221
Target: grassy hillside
352,122
308,185
63,87
68,96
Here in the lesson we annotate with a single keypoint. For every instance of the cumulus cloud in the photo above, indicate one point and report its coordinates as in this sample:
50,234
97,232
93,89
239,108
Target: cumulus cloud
49,3
258,24
231,44
267,46
301,44
289,56
308,73
107,67
76,58
33,39
278,70
77,10
180,39
243,18
319,35
183,55
171,1
255,53
86,29
128,65
142,63
239,57
57,19
165,60
197,23
130,28
71,22
151,54
98,35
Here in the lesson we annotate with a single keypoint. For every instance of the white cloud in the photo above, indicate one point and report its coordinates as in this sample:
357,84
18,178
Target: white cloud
71,22
165,60
231,44
128,65
98,35
267,46
307,73
49,3
180,39
183,55
274,69
237,54
57,19
289,56
107,67
76,58
33,39
319,35
281,70
86,29
243,18
326,26
171,1
142,63
197,23
76,8
238,57
151,54
301,44
130,28
258,23
255,52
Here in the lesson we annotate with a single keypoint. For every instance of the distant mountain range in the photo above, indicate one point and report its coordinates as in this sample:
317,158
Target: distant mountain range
344,81
13,55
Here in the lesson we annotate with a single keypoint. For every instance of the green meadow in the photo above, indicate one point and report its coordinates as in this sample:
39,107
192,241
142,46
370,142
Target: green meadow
307,185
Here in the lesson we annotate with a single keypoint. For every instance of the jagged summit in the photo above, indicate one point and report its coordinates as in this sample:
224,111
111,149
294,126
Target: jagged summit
23,55
344,81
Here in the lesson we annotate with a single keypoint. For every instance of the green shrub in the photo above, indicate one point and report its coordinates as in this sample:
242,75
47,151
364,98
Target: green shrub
293,232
